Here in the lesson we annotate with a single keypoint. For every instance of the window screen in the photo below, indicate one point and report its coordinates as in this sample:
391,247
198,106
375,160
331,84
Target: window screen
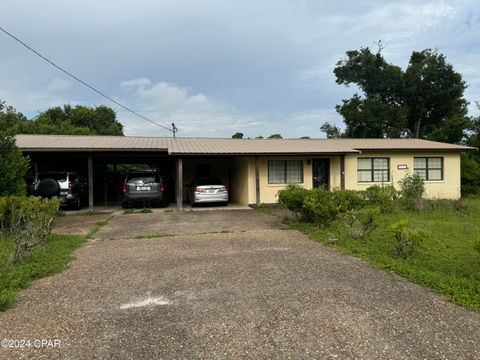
428,168
373,169
285,171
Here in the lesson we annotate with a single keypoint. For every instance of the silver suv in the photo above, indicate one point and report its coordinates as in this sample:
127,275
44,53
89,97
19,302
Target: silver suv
143,186
66,185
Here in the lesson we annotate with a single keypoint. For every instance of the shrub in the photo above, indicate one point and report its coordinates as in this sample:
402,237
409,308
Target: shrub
412,189
13,167
29,220
456,206
292,197
360,224
382,196
319,207
346,200
476,246
407,240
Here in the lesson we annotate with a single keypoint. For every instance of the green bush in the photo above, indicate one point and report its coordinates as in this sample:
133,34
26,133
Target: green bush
382,196
407,240
292,197
412,188
361,223
13,167
476,246
28,221
345,200
319,207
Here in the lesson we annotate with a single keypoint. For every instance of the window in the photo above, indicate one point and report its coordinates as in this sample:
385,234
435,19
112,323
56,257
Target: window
373,169
429,168
285,171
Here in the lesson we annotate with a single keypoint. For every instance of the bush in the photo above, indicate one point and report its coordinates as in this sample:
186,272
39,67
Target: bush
29,221
360,224
13,167
346,200
382,196
319,207
412,189
292,197
407,240
476,246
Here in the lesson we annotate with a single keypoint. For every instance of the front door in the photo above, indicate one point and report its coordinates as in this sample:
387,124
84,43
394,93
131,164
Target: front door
321,173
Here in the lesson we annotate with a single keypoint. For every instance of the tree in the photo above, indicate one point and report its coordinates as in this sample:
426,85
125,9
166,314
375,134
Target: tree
237,135
13,167
331,131
78,120
424,101
275,136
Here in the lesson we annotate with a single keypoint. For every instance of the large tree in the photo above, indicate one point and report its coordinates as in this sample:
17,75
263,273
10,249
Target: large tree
78,120
423,101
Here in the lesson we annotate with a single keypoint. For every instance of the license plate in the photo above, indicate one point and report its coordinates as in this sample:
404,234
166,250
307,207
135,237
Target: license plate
143,188
64,192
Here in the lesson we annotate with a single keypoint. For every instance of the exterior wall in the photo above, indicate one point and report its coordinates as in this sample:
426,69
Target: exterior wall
448,188
268,192
241,180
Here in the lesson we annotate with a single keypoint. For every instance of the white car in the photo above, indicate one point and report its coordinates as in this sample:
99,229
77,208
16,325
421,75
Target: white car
207,190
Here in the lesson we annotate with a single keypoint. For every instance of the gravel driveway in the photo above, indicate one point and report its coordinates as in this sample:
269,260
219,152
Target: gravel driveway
258,292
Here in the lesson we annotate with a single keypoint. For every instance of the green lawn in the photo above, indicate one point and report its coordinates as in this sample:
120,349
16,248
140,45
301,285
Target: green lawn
446,263
40,262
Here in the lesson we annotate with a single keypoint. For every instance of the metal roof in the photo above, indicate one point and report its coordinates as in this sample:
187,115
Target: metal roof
216,146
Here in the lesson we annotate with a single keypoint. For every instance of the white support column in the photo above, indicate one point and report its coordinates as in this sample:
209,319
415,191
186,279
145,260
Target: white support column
179,184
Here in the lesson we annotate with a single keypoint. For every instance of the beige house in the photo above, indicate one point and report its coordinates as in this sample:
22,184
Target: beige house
254,170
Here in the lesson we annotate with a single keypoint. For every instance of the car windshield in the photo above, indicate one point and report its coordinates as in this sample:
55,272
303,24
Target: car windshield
143,178
208,181
59,176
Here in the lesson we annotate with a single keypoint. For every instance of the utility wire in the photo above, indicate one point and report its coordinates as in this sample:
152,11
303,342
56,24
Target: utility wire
173,130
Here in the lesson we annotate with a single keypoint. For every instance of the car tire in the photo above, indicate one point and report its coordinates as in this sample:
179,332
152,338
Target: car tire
48,188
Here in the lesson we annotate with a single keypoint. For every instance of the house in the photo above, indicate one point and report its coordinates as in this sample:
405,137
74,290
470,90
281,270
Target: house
254,170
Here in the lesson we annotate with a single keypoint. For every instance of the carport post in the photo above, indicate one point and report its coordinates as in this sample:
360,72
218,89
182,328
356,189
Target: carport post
90,182
179,187
342,172
257,180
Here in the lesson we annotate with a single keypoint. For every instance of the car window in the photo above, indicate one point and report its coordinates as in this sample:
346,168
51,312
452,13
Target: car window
143,178
56,176
208,181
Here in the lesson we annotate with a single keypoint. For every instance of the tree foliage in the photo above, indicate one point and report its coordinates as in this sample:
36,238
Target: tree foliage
66,120
275,136
13,167
331,131
423,101
237,135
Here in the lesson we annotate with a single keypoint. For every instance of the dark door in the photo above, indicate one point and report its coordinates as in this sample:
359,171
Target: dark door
321,173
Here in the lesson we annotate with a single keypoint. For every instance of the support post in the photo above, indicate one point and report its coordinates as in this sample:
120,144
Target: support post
105,184
257,181
342,172
179,187
90,182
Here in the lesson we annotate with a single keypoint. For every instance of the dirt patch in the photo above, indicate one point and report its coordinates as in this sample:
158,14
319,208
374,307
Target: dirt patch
78,224
182,223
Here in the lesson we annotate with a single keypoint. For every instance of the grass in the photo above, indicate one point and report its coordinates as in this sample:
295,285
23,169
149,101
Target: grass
40,262
92,213
137,211
446,263
153,235
98,225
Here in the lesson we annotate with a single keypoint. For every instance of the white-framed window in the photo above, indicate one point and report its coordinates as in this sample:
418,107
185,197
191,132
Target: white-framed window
429,168
285,171
373,169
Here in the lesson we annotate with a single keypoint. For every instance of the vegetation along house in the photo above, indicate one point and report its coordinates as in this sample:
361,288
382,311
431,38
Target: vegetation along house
253,170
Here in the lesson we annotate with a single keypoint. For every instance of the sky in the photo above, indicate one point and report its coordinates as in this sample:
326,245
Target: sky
217,67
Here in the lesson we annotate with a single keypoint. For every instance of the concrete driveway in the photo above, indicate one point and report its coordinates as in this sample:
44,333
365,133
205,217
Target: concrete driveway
256,291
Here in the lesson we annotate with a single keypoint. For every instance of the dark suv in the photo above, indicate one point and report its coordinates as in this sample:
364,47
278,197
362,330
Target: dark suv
68,186
145,186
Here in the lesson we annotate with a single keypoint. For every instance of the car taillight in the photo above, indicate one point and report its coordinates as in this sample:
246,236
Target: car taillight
72,185
223,189
162,187
124,187
199,190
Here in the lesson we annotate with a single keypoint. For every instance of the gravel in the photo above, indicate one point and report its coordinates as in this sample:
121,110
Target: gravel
257,292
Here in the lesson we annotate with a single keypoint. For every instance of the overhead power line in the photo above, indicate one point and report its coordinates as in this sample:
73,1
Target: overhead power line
173,130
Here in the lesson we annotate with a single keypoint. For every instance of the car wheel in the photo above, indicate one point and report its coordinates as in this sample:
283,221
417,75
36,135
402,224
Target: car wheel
77,204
